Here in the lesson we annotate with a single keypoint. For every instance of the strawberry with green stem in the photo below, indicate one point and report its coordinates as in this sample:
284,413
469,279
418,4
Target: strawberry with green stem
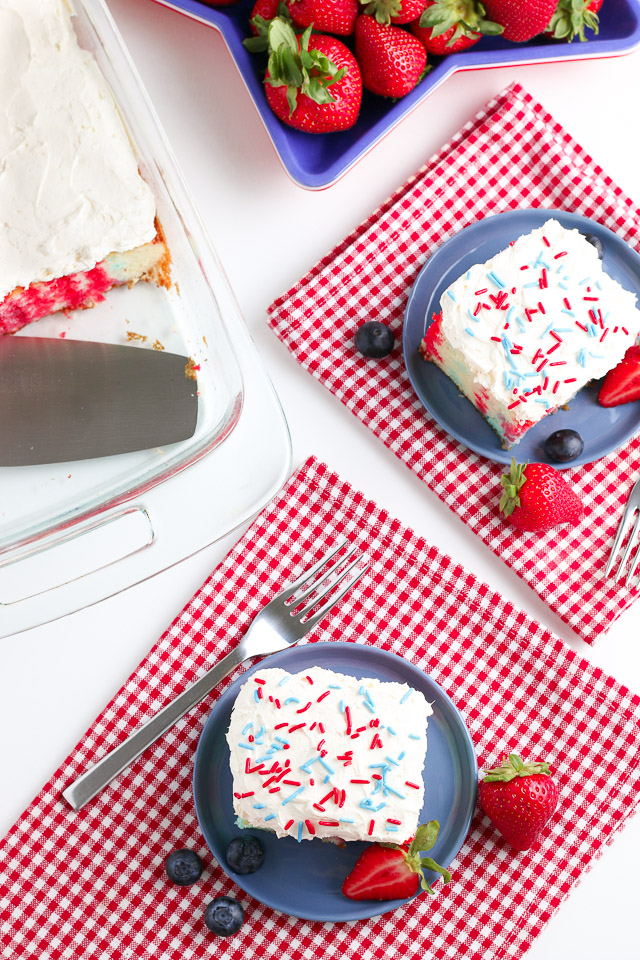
389,871
325,16
572,17
391,59
451,26
519,798
313,82
522,19
394,11
262,13
536,498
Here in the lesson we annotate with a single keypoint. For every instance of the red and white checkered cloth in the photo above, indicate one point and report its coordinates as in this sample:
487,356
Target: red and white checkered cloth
92,884
512,155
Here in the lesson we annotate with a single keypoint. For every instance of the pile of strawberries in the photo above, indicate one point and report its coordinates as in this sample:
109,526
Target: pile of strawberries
314,81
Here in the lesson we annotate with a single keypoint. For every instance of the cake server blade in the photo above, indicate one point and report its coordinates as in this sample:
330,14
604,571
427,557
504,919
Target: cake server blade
64,400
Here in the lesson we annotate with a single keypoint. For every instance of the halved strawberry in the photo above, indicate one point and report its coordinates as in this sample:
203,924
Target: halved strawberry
622,384
387,871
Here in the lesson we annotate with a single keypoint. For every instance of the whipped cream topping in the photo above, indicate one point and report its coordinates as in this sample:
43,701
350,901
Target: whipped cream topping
70,190
320,754
539,320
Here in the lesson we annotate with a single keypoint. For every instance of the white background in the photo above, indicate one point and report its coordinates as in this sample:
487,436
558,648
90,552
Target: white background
268,232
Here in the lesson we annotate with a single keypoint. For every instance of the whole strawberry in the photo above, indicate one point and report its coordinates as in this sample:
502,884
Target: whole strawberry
394,11
521,19
262,13
450,26
393,872
313,82
572,17
519,798
326,16
536,498
622,384
391,59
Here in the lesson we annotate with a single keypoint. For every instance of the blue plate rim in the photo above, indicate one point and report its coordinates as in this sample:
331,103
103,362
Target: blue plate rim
370,908
470,230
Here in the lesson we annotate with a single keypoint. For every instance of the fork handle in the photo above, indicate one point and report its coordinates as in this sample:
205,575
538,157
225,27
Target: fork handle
97,777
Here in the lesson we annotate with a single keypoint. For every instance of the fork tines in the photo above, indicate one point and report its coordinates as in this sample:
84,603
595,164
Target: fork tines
321,581
632,508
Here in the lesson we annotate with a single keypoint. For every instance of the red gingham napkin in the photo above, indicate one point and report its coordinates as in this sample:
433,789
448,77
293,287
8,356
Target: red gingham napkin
92,884
513,154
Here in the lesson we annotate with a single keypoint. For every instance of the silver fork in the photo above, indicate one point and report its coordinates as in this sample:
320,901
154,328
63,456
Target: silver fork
632,507
280,624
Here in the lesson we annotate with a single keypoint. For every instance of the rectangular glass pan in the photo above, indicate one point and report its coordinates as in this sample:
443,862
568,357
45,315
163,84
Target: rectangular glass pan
187,319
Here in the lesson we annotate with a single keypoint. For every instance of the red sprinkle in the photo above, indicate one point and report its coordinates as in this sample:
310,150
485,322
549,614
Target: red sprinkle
347,714
318,807
541,308
359,781
537,355
250,793
258,680
277,703
371,826
571,380
376,776
566,303
555,336
292,783
329,823
408,782
306,707
323,695
543,280
624,330
259,693
544,240
374,723
558,363
555,386
279,726
321,728
251,738
329,796
477,310
298,726
307,677
288,824
524,268
557,257
556,346
314,724
319,747
546,383
398,822
594,299
360,729
376,742
512,405
343,797
310,827
479,293
582,326
496,339
275,790
606,331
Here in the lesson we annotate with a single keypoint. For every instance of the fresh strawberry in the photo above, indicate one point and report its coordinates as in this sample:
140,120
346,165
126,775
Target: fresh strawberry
328,16
521,19
450,26
391,59
387,871
536,498
263,12
394,11
519,799
266,10
313,82
572,17
622,384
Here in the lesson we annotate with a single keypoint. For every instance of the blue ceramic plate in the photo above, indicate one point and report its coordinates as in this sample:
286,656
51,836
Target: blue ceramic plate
305,879
317,161
602,429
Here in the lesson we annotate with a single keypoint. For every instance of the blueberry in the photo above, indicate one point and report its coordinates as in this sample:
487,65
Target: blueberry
564,445
595,242
224,916
183,867
245,854
374,339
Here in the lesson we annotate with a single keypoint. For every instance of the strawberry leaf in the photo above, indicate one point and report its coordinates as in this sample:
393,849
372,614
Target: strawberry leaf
430,864
513,766
425,838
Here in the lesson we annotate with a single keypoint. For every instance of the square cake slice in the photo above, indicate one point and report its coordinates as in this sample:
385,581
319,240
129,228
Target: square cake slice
520,334
321,754
77,216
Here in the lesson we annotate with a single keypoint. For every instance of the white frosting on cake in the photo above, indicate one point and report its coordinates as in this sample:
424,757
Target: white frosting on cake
300,743
538,321
70,191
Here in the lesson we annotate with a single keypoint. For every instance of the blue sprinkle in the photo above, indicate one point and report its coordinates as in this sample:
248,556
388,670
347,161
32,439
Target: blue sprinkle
391,828
512,362
568,312
260,732
521,324
395,792
334,686
498,282
305,766
292,795
370,708
471,317
256,696
280,740
468,274
327,778
548,330
346,820
276,746
248,727
379,807
401,755
528,285
451,295
506,343
391,760
366,804
593,330
582,358
271,816
563,286
581,283
470,332
391,731
508,380
598,285
545,403
247,746
406,695
342,706
291,700
259,806
284,680
379,766
509,313
597,356
535,374
540,262
414,736
300,825
326,765
262,759
607,316
564,330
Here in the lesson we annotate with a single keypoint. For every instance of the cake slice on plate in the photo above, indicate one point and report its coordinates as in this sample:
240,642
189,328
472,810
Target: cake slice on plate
77,217
520,334
320,754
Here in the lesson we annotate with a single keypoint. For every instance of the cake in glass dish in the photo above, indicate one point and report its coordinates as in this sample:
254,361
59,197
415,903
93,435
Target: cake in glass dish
318,754
521,334
77,217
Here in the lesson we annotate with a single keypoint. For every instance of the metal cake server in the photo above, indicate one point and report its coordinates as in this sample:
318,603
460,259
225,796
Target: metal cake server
66,400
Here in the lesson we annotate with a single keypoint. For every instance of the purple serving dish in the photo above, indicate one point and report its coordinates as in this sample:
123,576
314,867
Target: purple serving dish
317,161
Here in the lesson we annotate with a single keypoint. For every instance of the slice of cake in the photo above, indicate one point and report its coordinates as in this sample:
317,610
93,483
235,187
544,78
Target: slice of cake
77,217
320,754
520,334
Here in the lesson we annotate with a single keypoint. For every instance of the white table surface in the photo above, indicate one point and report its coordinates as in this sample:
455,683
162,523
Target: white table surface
55,679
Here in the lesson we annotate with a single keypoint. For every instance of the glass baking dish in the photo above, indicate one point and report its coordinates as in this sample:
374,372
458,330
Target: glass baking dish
163,504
